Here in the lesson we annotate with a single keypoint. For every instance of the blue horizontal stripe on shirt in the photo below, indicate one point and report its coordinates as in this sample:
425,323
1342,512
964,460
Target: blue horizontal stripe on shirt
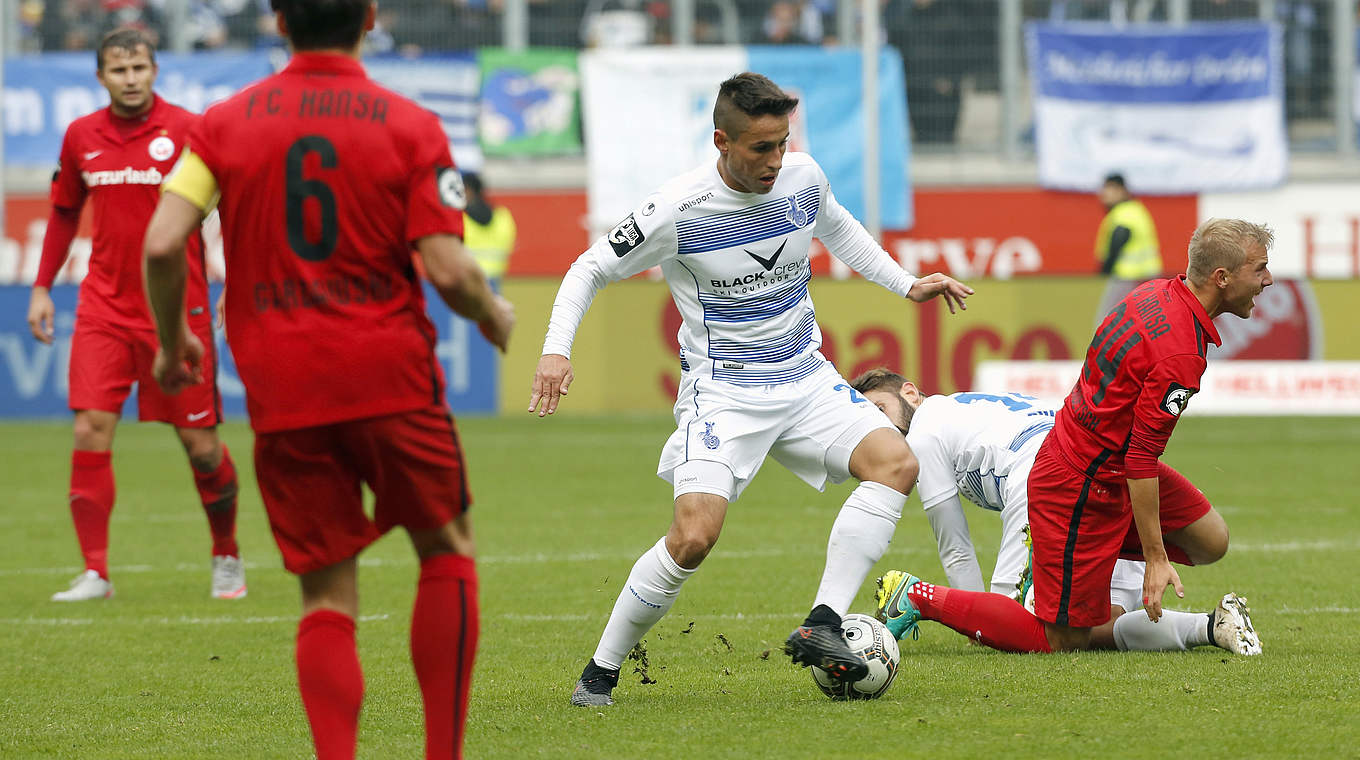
752,376
786,346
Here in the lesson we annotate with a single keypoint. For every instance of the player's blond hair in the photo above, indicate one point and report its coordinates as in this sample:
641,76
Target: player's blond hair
1223,243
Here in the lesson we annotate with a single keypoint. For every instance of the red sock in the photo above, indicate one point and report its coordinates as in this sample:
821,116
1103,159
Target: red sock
331,682
217,489
444,627
91,504
994,620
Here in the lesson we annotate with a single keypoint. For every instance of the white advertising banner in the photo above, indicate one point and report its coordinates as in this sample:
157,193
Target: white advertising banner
1317,226
1228,388
1174,109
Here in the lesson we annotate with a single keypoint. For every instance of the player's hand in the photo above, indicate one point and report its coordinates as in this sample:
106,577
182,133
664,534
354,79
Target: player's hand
926,288
498,324
184,368
220,311
41,313
551,380
1158,575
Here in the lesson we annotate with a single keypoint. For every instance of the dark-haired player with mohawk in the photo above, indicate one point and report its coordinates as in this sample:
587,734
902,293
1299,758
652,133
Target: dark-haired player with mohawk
116,159
328,183
731,237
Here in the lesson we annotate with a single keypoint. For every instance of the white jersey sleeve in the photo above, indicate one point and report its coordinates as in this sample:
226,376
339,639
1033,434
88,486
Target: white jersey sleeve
644,239
957,554
927,441
847,240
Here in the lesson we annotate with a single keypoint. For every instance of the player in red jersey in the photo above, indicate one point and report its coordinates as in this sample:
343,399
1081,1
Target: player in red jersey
116,159
1097,490
327,182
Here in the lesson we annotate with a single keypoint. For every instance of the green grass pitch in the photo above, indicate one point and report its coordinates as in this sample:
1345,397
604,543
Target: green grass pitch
563,507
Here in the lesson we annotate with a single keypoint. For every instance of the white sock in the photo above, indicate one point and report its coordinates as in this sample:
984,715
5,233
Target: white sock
647,595
859,537
1176,631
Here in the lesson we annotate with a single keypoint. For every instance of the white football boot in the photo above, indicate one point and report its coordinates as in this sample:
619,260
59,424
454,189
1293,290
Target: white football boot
228,577
1232,626
86,586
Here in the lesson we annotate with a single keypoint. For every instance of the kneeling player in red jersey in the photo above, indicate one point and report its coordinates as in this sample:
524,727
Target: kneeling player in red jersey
327,183
116,158
1097,490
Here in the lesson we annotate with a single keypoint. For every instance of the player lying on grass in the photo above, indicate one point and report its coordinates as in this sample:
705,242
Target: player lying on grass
982,446
1097,489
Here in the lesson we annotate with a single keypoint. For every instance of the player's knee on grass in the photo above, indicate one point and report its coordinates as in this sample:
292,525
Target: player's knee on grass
1205,541
1063,638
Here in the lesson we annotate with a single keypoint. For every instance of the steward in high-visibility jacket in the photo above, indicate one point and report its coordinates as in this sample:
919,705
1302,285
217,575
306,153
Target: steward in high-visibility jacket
488,232
1126,245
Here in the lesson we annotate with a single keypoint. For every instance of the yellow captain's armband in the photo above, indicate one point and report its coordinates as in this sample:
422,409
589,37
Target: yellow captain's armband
191,180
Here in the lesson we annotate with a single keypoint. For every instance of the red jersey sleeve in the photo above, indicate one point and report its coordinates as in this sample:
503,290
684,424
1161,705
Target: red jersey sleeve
68,189
1165,394
201,144
434,196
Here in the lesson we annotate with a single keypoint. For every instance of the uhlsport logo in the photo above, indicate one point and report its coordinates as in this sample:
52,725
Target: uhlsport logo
710,440
796,216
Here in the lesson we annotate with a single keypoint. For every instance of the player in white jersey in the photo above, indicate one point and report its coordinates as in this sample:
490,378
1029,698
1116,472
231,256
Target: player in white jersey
732,239
982,446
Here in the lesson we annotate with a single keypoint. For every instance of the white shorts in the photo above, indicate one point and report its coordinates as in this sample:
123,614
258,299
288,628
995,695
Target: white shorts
811,426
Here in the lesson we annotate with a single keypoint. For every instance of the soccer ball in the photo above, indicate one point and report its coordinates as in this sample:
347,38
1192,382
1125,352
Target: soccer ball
871,640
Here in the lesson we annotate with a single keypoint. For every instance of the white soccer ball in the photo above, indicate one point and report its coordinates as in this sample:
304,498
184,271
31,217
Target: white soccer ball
871,640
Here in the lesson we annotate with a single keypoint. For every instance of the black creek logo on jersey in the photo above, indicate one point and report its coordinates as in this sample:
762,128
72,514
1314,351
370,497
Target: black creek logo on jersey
770,262
1176,399
626,237
450,185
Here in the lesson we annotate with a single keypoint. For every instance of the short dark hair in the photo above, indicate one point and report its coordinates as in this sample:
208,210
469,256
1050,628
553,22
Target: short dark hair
750,94
319,24
124,38
1115,178
879,378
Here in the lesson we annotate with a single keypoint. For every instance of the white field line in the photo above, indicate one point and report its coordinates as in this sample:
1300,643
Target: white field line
494,559
519,618
543,558
166,621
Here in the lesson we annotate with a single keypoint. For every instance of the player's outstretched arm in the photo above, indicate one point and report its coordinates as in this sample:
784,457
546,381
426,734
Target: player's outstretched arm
552,377
178,362
926,288
464,287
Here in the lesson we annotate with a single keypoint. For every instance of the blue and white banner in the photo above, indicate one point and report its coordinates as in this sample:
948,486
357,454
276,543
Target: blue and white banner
1175,109
33,376
45,93
450,85
649,116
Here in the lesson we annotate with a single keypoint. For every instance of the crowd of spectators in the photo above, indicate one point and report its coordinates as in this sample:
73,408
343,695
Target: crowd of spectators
949,47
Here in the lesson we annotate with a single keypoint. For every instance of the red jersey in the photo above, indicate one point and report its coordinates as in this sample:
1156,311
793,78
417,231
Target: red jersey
1144,364
119,165
326,180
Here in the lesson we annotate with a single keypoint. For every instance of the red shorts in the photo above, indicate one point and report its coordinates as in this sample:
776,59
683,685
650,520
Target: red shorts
1080,526
106,361
310,479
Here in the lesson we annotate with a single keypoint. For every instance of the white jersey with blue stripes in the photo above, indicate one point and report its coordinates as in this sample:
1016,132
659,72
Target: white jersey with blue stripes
737,266
980,445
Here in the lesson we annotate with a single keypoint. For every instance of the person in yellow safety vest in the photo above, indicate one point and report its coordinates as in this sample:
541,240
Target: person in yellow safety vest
1126,245
488,231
